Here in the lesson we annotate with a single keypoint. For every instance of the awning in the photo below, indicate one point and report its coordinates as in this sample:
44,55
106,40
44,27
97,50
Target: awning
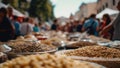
108,11
15,12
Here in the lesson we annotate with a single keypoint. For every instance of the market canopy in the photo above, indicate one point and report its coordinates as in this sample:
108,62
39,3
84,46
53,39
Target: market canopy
108,11
15,12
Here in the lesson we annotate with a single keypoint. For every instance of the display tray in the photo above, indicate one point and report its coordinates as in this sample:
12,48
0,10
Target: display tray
107,62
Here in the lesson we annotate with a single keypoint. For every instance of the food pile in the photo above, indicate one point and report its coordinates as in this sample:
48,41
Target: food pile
46,61
81,44
95,51
23,46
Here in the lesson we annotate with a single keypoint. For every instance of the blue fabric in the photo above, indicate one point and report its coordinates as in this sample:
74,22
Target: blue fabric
17,28
95,25
36,29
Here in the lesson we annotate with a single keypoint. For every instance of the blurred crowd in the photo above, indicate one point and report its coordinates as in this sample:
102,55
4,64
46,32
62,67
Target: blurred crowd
90,25
11,27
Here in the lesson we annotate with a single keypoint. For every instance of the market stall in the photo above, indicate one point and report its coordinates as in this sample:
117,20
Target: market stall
85,48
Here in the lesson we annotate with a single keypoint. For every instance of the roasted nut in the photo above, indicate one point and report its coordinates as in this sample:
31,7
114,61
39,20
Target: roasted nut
82,44
46,61
95,51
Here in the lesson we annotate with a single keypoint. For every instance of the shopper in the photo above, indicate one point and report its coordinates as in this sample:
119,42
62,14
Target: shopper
54,26
91,25
106,21
116,24
36,28
16,24
6,28
26,27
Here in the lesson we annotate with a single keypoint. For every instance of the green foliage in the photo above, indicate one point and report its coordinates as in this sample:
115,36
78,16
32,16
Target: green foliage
41,8
36,8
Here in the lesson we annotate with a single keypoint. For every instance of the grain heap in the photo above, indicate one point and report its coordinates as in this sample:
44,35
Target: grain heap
95,51
20,47
46,61
81,44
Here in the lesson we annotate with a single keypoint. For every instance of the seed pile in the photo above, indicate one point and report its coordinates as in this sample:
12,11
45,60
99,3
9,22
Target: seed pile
81,44
95,51
46,61
19,47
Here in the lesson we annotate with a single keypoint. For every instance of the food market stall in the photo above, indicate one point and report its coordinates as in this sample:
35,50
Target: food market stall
85,48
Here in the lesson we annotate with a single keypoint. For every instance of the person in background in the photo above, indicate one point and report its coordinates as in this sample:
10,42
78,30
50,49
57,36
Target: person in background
66,27
54,25
106,20
92,23
25,27
10,12
116,24
17,26
36,28
6,27
31,22
79,26
75,24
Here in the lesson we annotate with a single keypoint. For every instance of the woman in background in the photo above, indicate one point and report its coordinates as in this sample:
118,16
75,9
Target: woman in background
106,21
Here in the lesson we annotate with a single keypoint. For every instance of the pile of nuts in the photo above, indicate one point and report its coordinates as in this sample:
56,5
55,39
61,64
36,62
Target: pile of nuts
95,51
81,44
46,61
20,47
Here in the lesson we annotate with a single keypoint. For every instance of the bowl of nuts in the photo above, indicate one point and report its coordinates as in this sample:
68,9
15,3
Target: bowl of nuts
28,48
47,61
108,57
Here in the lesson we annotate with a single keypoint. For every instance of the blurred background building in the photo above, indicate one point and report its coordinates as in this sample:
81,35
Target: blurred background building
88,8
102,4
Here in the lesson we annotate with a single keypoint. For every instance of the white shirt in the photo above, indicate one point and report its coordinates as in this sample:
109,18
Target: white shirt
26,28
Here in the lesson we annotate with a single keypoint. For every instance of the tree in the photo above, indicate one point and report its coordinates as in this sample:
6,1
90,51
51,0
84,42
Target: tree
41,8
37,8
13,3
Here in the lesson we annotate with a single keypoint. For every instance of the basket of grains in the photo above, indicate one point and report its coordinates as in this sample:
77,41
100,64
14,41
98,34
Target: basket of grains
47,61
105,56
